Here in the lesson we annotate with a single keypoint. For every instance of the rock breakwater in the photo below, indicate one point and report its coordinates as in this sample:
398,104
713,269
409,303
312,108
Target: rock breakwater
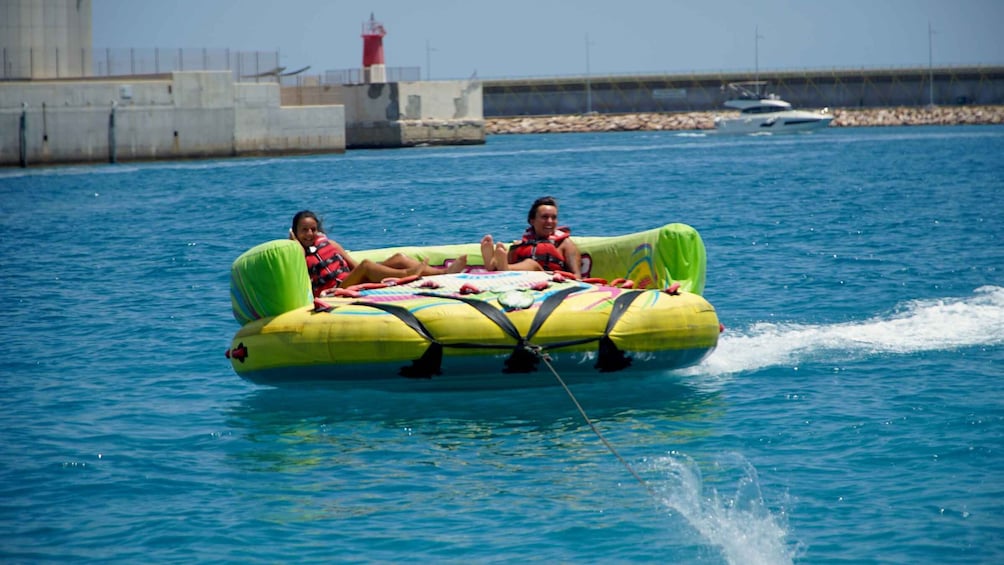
863,117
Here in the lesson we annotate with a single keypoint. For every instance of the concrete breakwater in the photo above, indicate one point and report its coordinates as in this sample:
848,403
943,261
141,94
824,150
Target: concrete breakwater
856,117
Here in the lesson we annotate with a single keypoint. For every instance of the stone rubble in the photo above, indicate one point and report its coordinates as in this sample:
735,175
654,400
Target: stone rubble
842,117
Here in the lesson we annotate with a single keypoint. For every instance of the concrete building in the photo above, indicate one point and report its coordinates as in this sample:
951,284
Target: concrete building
401,113
406,114
45,38
53,110
184,115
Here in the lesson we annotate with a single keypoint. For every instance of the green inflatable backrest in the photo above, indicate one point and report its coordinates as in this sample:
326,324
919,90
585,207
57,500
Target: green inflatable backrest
269,279
655,258
659,257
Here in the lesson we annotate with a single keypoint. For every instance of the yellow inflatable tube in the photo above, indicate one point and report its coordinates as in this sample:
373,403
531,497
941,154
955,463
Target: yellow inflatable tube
474,329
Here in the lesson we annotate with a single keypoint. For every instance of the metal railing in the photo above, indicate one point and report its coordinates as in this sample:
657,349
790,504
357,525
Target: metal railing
55,63
355,76
257,66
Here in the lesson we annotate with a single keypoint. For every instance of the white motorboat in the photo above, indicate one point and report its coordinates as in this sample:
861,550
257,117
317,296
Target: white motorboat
760,112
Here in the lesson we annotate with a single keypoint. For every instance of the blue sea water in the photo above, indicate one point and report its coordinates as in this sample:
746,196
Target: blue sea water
851,414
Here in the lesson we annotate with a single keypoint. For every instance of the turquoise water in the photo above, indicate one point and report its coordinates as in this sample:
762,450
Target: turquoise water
851,413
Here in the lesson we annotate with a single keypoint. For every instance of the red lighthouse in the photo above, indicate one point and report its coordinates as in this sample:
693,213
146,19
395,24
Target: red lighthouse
373,65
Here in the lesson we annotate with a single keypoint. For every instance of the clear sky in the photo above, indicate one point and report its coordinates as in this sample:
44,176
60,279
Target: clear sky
533,38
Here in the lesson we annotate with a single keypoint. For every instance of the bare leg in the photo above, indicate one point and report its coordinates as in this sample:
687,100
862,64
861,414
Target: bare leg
526,265
418,269
458,265
370,271
406,263
488,253
500,257
399,261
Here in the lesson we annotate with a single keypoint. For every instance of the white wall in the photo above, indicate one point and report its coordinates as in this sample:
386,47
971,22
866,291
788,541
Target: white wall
45,38
403,114
195,114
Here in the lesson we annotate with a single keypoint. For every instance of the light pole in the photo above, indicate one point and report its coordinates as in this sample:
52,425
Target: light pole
589,89
428,60
756,57
930,64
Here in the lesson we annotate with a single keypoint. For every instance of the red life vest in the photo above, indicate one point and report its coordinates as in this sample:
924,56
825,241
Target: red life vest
544,251
327,267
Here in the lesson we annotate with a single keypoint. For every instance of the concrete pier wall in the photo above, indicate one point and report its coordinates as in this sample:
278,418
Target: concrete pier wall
703,91
184,115
684,121
405,114
263,127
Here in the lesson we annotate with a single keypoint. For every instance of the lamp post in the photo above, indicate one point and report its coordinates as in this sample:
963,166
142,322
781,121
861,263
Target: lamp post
930,64
428,60
589,89
756,58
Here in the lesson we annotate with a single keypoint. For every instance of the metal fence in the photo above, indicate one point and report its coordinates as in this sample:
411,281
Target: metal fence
54,63
355,76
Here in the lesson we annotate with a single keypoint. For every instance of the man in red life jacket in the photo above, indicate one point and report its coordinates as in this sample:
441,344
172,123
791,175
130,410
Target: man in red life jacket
544,247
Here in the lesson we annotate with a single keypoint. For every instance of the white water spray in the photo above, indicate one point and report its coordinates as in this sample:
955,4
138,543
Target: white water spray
740,526
918,325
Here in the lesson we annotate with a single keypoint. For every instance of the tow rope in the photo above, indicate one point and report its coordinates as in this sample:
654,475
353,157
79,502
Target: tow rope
525,355
547,361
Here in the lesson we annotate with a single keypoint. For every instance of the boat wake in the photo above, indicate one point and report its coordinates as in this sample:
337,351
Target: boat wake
920,325
740,524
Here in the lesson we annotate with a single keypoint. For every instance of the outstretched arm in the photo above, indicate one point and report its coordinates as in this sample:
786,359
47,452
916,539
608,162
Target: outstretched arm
573,258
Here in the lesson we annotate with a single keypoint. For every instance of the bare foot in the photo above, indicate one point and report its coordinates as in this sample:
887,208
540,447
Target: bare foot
501,259
487,245
458,265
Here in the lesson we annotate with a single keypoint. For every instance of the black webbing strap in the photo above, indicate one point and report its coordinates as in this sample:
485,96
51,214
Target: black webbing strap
431,362
525,356
402,314
609,358
621,304
489,311
546,308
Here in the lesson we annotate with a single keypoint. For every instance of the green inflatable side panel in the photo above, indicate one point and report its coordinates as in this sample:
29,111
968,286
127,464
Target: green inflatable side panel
269,279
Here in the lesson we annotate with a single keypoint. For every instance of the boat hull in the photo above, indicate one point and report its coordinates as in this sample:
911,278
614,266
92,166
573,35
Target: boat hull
783,122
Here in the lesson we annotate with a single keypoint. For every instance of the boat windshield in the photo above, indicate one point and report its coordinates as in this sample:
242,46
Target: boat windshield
762,110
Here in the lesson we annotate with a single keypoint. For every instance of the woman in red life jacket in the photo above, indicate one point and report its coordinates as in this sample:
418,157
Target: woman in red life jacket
544,247
330,266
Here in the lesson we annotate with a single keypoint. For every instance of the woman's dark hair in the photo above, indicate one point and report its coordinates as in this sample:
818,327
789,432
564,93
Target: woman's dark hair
306,214
542,201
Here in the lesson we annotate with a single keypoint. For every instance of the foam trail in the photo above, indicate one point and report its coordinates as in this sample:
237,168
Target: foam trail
919,325
741,526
